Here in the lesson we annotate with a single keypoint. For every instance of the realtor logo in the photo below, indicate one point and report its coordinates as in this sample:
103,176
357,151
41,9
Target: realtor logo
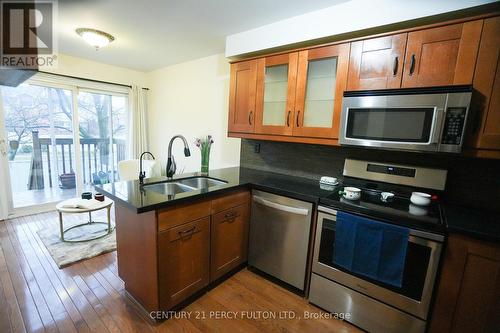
27,33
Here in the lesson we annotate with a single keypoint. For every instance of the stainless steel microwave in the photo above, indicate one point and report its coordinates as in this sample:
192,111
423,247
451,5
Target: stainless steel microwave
418,119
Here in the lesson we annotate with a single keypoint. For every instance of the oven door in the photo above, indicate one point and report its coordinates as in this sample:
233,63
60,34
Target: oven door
408,122
422,259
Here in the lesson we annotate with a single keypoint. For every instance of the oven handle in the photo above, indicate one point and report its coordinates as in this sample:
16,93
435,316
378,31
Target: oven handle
436,126
415,234
284,208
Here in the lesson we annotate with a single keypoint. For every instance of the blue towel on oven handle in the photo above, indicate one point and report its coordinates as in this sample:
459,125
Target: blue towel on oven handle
371,248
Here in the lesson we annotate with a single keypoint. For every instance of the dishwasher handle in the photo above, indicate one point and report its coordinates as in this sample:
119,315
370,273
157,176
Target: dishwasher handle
284,208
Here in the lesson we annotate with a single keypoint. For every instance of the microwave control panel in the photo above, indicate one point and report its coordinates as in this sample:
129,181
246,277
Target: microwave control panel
453,126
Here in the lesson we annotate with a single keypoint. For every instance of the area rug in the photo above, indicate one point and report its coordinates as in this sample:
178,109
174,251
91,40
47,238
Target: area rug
65,254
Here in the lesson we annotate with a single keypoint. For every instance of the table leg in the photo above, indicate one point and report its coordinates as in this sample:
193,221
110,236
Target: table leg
61,228
90,217
109,219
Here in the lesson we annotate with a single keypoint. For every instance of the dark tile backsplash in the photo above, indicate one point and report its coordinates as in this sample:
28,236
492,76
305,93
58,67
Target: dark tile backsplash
471,182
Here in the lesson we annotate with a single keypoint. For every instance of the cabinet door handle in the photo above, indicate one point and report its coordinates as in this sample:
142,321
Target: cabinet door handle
412,64
395,67
230,217
297,120
250,117
187,232
288,119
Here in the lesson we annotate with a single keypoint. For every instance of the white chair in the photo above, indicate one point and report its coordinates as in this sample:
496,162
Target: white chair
129,169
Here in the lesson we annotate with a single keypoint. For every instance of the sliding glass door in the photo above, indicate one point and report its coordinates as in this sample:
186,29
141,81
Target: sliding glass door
60,140
103,125
39,130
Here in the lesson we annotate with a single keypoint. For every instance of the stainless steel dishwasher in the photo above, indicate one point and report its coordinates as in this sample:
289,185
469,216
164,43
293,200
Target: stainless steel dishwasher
279,236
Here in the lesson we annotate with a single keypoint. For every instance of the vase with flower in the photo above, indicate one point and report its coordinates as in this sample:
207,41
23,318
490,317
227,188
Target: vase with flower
204,144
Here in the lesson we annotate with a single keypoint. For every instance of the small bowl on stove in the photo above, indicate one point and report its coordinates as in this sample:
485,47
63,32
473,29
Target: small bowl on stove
351,193
386,196
420,198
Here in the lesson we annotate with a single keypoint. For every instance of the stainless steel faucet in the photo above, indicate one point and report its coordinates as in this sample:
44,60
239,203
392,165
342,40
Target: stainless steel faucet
142,174
171,167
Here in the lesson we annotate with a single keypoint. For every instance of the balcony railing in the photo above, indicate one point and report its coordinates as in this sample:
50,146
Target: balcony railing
99,160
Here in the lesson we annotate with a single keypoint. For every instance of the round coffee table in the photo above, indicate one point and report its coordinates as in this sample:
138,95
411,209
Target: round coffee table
107,203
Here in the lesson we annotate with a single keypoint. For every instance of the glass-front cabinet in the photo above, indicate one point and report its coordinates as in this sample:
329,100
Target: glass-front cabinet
276,81
321,81
300,93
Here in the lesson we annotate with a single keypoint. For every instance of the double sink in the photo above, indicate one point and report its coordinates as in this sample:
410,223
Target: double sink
184,185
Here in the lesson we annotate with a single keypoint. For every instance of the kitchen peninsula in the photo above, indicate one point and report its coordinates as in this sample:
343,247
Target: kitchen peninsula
173,245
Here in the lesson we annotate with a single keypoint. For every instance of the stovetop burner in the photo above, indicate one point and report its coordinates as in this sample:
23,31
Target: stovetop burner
399,210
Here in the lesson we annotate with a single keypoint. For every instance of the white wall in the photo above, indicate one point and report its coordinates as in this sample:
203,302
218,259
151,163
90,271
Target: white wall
87,69
342,18
191,99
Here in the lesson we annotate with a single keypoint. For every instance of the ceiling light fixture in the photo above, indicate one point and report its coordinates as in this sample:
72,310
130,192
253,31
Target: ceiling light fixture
94,37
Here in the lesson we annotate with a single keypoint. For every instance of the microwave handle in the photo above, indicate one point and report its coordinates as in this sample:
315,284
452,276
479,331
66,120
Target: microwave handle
436,126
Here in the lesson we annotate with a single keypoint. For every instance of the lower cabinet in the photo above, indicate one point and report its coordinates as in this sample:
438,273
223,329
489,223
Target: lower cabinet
229,240
468,295
199,243
184,254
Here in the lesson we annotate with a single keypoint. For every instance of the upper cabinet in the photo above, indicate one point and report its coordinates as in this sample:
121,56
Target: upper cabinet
300,94
321,81
485,105
242,96
424,58
442,56
275,97
377,63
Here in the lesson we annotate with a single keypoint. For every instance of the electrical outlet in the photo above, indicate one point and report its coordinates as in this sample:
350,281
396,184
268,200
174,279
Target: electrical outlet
256,148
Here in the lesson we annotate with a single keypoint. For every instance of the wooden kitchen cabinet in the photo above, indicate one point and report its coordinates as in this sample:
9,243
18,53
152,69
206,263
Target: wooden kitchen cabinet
377,63
229,232
300,93
168,255
442,56
275,97
184,254
468,295
321,81
485,104
229,240
428,57
242,89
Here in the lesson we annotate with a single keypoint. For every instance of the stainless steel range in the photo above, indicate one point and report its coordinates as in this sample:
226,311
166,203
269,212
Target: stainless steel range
374,304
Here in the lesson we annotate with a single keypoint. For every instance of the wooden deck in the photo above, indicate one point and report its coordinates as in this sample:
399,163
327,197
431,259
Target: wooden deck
37,296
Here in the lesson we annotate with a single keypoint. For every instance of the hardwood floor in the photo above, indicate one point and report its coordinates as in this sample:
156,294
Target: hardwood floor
37,296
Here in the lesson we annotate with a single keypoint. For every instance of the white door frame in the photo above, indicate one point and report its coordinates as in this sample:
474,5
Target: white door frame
5,189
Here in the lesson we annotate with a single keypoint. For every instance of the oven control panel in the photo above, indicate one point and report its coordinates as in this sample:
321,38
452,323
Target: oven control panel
453,126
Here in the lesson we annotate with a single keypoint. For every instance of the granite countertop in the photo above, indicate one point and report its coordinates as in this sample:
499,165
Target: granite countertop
142,200
471,222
